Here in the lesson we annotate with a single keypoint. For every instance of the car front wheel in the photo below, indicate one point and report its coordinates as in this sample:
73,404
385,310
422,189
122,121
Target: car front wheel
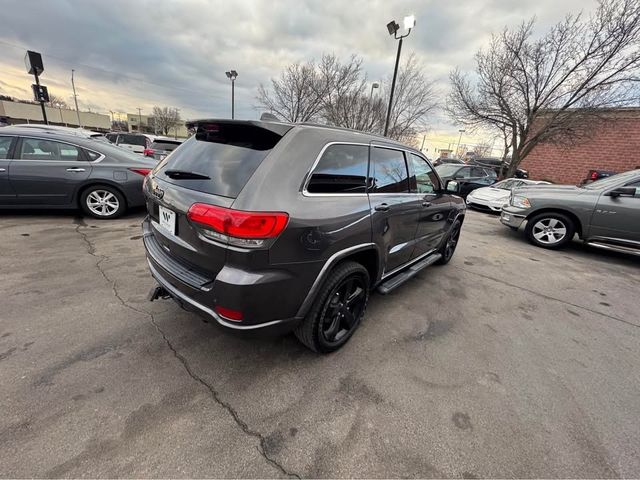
103,202
337,310
550,230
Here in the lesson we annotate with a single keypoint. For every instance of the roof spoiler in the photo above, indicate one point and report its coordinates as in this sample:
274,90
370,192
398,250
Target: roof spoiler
279,128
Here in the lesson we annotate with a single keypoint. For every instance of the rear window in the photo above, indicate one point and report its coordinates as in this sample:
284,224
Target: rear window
170,146
229,154
342,169
133,140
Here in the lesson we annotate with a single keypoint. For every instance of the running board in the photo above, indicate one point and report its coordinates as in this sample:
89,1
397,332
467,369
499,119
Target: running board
406,275
615,248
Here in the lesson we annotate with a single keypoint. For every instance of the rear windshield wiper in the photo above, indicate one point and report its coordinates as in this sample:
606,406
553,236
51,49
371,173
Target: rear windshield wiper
185,175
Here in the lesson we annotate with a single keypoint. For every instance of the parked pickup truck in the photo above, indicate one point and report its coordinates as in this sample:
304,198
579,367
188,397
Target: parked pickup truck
604,214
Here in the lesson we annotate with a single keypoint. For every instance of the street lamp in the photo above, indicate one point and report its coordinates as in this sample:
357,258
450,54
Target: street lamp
459,138
59,105
232,75
393,27
373,85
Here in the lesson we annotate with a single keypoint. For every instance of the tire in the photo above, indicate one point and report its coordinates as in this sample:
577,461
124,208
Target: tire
550,230
448,248
102,202
331,321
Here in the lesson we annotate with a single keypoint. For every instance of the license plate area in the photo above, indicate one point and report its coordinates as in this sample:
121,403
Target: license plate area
167,219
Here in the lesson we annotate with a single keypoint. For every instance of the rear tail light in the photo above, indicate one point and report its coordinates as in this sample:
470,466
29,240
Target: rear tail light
594,175
237,227
229,314
148,152
141,171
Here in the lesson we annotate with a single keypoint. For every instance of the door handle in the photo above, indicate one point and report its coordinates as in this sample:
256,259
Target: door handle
383,207
75,169
426,204
3,169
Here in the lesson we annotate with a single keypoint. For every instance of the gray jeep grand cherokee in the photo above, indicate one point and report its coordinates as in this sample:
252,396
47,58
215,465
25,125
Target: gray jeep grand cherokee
271,226
605,214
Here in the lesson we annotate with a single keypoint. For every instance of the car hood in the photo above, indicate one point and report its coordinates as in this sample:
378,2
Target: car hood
488,193
547,189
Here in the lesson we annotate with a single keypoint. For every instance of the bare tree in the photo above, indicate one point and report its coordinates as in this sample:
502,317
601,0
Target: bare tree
164,119
295,96
56,101
336,93
414,99
552,89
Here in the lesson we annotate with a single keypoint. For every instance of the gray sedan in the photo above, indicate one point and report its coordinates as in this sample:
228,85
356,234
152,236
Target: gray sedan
41,168
604,214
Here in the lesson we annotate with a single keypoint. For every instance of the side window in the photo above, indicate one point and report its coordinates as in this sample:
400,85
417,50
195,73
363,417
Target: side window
112,137
388,171
92,156
637,187
5,146
478,172
39,149
342,169
464,172
424,180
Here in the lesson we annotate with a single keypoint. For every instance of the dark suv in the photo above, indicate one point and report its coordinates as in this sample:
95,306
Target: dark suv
280,227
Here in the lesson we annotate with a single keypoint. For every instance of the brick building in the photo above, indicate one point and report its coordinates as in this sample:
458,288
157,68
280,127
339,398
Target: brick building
613,146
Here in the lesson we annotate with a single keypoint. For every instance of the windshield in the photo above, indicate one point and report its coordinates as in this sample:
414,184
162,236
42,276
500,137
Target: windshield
611,181
447,170
504,185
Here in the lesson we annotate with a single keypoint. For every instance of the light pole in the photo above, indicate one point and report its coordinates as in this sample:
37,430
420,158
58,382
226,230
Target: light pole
75,98
393,27
373,85
232,75
139,120
459,138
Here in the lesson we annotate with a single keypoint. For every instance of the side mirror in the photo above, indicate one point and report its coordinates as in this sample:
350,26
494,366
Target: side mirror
623,192
451,186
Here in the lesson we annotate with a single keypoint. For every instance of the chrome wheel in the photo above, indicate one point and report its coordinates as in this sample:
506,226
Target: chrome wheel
102,203
549,231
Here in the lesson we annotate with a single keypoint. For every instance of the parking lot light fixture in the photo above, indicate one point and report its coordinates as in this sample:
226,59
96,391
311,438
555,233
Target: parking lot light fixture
393,27
232,75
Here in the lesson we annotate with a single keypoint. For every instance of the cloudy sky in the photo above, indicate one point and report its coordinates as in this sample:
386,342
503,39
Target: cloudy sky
130,54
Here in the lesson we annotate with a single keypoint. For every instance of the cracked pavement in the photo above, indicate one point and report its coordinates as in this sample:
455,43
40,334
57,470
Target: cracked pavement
512,361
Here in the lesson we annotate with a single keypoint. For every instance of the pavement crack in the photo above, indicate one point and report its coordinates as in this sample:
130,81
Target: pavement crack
225,405
549,297
91,249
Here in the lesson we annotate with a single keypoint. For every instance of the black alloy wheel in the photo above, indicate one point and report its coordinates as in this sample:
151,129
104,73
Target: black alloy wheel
449,248
337,309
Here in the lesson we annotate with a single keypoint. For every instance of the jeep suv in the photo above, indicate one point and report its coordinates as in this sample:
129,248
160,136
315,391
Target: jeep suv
266,226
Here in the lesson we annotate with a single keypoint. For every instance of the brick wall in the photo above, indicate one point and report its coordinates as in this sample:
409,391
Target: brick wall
613,146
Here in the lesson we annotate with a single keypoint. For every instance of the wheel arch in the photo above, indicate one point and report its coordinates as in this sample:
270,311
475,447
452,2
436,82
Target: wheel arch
366,254
98,183
574,218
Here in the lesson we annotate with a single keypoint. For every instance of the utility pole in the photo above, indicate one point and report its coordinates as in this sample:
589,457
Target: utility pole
423,139
75,98
139,120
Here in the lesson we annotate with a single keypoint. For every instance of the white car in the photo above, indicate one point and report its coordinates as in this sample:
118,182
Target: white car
494,197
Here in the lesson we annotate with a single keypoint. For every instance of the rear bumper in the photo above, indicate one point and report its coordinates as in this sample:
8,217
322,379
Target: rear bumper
275,327
256,294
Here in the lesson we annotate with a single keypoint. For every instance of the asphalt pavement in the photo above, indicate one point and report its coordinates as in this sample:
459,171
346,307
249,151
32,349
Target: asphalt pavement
511,361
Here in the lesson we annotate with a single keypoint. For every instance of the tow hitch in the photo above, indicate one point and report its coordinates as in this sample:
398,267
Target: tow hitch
158,292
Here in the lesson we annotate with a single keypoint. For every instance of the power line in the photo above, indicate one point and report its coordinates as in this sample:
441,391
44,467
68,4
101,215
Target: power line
105,70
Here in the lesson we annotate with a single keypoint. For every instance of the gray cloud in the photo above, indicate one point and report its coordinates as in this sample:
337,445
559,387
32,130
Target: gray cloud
176,53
